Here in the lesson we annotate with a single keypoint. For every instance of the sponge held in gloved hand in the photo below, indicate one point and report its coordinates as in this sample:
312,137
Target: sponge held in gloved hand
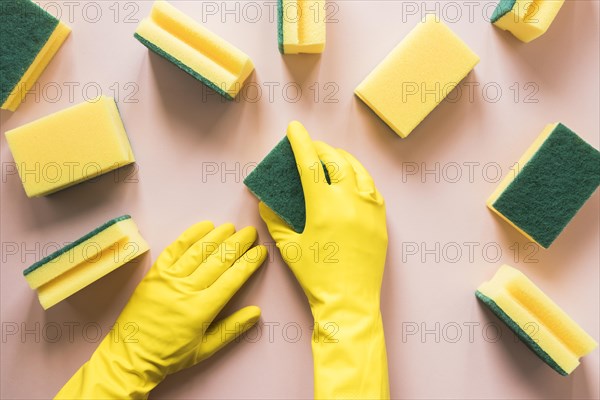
276,182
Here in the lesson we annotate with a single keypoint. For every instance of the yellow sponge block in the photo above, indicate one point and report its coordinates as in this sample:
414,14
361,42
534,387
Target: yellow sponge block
417,75
70,146
173,35
86,260
542,325
301,26
526,19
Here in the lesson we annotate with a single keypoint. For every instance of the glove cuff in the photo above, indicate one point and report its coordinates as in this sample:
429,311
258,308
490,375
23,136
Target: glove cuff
350,359
112,373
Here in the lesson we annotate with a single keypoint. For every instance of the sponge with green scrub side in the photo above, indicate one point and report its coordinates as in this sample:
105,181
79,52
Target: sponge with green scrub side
29,39
194,49
276,182
301,26
536,320
526,19
554,178
87,259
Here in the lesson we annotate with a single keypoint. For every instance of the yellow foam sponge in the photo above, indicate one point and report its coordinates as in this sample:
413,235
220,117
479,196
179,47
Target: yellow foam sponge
207,57
86,260
417,75
526,19
30,37
301,26
70,146
542,325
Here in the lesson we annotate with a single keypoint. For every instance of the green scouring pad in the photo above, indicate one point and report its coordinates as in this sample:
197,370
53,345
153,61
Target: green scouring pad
280,26
501,9
276,182
555,177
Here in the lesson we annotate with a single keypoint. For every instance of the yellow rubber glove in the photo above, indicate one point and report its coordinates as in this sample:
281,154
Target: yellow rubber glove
167,325
339,260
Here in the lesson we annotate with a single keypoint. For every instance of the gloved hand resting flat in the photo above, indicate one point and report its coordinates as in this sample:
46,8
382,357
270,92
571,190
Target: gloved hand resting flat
171,314
338,260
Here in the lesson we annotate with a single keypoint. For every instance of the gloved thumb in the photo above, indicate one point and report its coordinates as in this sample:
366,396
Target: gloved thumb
278,228
223,332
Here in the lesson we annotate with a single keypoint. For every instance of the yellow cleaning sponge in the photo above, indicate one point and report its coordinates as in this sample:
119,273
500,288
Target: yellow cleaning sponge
417,75
196,50
526,19
70,146
86,260
301,26
29,38
536,319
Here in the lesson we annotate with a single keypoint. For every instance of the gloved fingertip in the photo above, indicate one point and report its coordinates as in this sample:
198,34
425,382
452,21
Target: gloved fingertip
251,314
204,224
257,254
227,227
249,233
295,127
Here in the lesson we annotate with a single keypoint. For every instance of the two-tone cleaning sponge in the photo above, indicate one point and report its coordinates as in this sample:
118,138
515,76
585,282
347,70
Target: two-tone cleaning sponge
553,179
276,182
526,19
29,38
85,260
207,57
301,26
417,75
70,146
541,324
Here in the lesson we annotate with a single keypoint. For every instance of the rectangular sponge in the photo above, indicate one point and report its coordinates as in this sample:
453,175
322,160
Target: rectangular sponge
554,178
526,19
541,324
173,35
86,260
70,146
29,39
417,75
276,182
301,26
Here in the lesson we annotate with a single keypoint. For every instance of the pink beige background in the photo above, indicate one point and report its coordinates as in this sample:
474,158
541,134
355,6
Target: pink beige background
193,152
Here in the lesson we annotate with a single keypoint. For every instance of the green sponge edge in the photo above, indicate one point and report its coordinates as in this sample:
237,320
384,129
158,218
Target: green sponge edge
70,246
276,182
280,26
25,28
502,8
182,66
521,334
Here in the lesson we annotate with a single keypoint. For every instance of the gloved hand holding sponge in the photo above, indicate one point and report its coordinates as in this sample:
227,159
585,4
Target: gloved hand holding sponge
173,310
338,260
